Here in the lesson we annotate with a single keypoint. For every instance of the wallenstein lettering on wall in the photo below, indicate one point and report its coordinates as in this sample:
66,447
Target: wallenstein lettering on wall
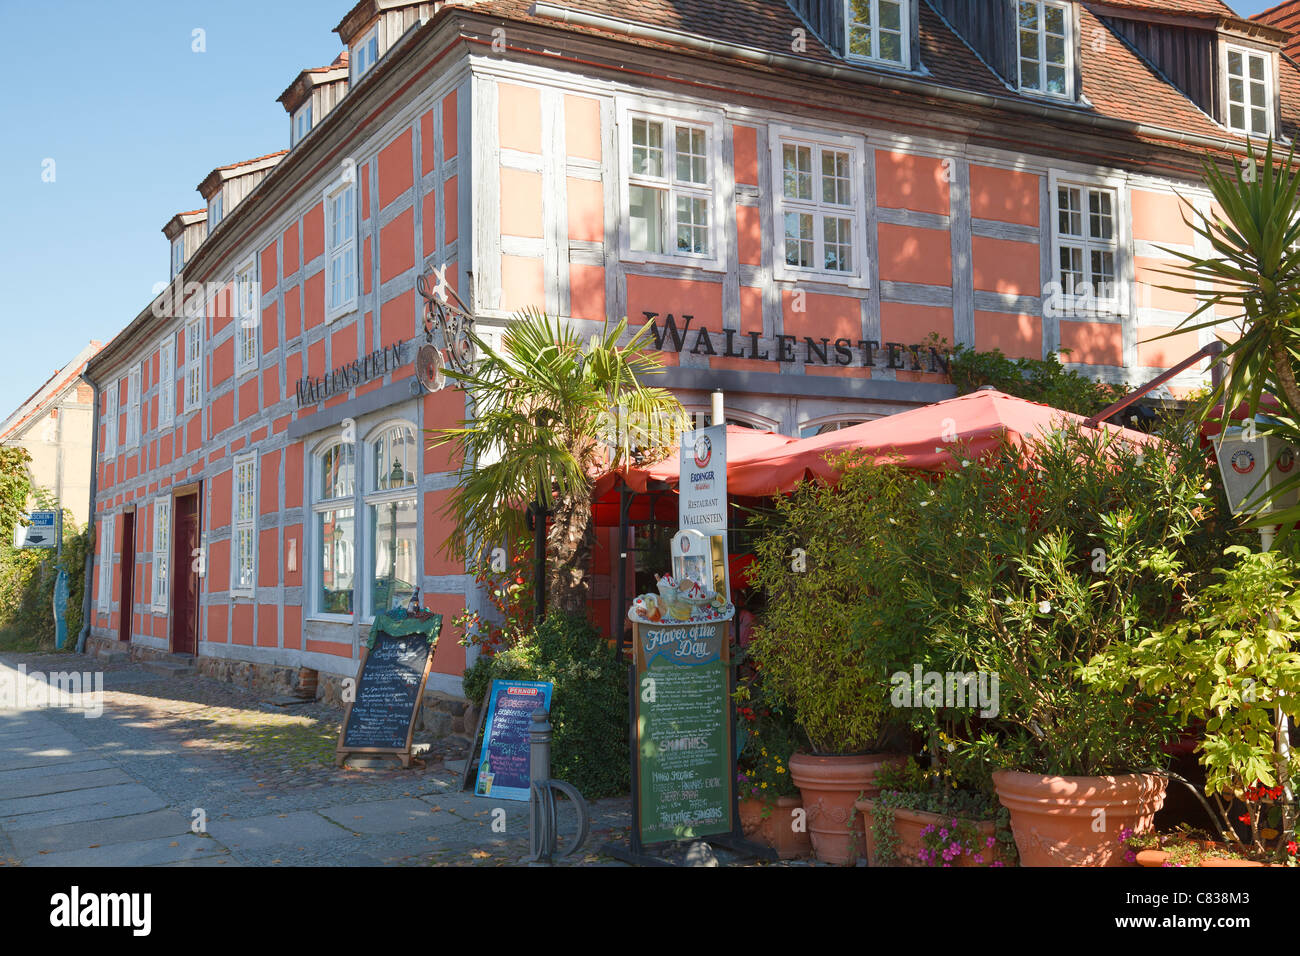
349,376
789,349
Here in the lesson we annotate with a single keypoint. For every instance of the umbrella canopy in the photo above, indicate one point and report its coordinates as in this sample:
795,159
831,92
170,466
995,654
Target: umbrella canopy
925,439
743,445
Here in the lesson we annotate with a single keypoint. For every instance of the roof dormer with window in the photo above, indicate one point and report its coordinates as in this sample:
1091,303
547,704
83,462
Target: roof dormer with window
185,231
226,186
873,34
311,96
373,27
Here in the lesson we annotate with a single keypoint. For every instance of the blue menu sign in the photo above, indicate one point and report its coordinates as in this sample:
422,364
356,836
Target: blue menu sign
503,768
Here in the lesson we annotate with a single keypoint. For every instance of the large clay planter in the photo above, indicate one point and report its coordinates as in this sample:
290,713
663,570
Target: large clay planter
1055,819
830,785
908,826
782,829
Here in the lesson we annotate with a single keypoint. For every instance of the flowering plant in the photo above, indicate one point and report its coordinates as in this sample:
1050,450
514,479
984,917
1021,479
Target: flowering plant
511,598
769,738
943,843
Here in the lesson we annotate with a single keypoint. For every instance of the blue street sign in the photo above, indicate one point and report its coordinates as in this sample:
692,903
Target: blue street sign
41,531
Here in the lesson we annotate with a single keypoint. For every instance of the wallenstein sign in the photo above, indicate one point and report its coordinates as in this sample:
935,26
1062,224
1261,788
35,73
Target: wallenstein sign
731,343
349,376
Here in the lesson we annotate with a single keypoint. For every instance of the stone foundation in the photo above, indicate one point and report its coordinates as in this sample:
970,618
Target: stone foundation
441,716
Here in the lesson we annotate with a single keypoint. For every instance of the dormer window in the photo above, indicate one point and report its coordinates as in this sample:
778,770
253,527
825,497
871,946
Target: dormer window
178,255
363,56
1250,91
215,212
877,30
1045,43
301,124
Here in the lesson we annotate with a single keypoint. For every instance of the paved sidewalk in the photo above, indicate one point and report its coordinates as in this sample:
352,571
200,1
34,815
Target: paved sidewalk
192,772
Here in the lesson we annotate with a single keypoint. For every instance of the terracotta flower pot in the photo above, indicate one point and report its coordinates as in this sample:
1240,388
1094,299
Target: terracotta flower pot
909,826
830,785
1055,819
781,829
1161,857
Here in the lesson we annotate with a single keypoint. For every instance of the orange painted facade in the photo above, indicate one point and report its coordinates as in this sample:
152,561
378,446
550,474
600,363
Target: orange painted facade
527,182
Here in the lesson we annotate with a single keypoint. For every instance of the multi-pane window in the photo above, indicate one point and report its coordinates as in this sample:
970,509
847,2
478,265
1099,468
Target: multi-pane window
178,255
1250,106
244,525
670,188
393,517
132,437
301,124
1043,38
247,308
878,30
216,209
1087,241
106,563
363,56
818,212
334,514
110,420
193,364
162,519
340,249
167,382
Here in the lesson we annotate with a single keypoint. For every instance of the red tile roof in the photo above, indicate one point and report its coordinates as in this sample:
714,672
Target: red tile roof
1186,8
257,159
1285,16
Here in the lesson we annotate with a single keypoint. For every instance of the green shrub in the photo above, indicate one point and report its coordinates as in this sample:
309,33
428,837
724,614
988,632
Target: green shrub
27,578
1037,380
589,705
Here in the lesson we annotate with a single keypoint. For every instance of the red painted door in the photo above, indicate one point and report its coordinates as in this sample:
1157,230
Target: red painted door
185,575
126,599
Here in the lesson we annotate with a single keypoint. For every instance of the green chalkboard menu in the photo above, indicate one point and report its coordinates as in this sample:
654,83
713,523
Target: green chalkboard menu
683,730
389,687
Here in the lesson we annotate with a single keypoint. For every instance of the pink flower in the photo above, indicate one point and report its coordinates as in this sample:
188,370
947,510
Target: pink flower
1131,856
990,842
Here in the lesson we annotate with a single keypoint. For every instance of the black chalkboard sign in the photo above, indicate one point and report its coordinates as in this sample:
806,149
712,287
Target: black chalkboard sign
389,688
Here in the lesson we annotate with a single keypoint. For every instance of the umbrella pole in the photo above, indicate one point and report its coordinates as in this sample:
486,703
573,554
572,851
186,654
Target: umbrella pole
624,502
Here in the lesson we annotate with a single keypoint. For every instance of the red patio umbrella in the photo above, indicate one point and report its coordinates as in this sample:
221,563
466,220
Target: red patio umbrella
925,439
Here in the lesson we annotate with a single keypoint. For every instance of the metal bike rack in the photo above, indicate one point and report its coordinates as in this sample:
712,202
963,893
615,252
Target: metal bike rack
542,823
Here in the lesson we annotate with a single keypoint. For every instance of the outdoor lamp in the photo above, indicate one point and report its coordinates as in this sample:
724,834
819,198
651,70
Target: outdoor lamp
1253,464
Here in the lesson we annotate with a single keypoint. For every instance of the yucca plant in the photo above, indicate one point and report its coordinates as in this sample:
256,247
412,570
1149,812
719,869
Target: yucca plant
548,414
1251,279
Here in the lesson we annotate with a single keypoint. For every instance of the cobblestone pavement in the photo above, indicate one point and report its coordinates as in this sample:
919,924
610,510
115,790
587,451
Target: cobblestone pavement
174,755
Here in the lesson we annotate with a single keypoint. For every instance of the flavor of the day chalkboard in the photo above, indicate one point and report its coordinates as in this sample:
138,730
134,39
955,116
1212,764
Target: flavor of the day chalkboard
504,767
381,718
683,726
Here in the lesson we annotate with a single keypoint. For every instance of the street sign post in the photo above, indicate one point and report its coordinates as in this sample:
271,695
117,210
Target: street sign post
42,531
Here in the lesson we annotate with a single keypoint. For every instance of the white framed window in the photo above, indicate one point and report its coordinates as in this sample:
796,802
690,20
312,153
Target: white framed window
110,420
178,255
832,423
216,209
243,530
334,532
878,30
1249,91
300,125
340,248
106,562
162,536
132,437
362,56
194,364
167,381
671,167
248,311
1090,244
392,517
820,206
1045,45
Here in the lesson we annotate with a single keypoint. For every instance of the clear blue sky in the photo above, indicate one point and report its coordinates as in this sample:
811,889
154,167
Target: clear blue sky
133,119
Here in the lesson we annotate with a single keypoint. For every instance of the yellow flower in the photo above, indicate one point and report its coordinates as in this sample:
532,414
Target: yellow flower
764,785
780,769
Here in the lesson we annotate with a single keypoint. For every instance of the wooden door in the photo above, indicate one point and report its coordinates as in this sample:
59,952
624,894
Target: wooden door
185,575
126,598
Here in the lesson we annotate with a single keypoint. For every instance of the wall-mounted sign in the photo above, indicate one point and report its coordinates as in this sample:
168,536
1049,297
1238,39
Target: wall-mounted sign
789,349
349,376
